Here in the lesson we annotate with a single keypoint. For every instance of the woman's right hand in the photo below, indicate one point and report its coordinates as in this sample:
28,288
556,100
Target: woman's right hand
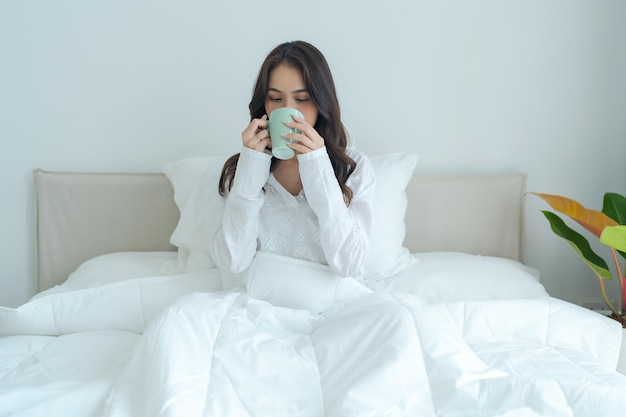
256,135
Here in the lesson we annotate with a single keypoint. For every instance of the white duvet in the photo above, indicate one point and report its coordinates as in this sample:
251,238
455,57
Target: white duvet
174,346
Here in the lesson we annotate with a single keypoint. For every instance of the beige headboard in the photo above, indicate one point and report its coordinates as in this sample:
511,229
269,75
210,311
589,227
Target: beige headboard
82,215
482,215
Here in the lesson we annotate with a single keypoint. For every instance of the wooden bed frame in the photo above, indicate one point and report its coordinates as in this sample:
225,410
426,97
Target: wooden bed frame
83,215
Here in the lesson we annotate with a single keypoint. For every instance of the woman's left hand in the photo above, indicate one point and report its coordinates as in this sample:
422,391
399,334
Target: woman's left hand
307,141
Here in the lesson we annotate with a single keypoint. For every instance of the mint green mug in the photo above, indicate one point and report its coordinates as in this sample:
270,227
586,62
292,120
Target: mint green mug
276,126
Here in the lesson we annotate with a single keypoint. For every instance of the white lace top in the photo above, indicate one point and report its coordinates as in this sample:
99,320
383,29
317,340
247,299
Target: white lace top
315,225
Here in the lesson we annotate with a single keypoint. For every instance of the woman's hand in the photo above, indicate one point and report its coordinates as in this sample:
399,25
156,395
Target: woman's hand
307,141
256,135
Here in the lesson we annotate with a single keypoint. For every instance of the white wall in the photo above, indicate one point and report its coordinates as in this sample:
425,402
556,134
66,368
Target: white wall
473,86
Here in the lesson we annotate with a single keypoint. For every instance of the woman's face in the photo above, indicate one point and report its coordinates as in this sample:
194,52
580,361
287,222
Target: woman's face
286,89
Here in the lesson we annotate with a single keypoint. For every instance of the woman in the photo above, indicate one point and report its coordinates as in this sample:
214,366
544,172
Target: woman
316,206
226,353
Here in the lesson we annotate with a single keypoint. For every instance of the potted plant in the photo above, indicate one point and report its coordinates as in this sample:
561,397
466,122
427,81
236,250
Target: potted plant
608,226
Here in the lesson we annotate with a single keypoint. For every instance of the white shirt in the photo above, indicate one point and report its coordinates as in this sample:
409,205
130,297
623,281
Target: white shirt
315,225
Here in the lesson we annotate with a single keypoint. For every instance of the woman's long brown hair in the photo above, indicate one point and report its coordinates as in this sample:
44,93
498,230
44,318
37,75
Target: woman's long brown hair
319,82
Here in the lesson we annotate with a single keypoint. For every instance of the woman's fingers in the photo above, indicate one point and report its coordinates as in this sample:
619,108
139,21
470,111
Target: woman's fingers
306,141
256,136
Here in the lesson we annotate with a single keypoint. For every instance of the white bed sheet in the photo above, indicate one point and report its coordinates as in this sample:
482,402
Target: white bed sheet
190,350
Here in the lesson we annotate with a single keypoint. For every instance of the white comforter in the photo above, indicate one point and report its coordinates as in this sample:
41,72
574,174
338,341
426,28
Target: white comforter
170,346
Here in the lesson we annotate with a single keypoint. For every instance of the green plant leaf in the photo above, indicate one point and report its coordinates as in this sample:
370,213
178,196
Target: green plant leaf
580,245
593,220
615,237
614,206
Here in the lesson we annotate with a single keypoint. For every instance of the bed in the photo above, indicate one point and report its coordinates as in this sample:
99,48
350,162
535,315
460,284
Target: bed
134,319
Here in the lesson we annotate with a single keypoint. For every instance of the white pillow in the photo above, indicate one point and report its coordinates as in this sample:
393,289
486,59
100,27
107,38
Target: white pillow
121,266
388,255
201,210
113,267
454,276
295,283
201,207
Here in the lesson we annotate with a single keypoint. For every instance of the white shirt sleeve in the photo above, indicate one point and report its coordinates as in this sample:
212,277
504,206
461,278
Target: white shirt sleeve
344,230
235,243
